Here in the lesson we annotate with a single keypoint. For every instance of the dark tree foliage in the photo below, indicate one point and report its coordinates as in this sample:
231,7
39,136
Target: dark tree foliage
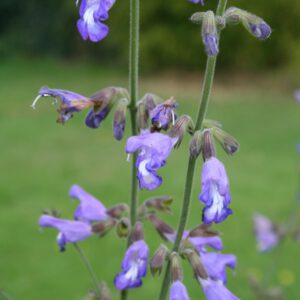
34,28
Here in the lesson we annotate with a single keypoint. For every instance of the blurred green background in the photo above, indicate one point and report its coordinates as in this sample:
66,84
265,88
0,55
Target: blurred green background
40,159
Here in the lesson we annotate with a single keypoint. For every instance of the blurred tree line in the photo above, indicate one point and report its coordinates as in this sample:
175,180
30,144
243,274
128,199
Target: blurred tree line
40,28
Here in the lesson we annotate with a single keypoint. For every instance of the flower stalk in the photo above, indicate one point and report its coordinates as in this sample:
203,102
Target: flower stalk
89,268
133,88
205,96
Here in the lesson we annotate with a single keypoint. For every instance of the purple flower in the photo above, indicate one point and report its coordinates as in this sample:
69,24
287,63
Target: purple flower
154,148
95,118
266,235
215,192
162,115
215,264
216,290
134,266
201,242
297,95
210,34
178,291
90,208
197,1
70,102
91,13
260,30
69,231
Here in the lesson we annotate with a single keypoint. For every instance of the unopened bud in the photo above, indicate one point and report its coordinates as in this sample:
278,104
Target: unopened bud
209,34
196,144
198,268
208,145
137,232
254,24
102,228
207,123
123,228
228,142
176,269
160,203
105,292
182,125
120,118
158,259
203,230
197,17
117,210
141,116
150,101
163,229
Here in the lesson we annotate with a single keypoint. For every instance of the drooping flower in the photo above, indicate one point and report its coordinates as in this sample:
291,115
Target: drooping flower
154,148
215,192
134,266
178,291
266,235
260,30
70,102
215,264
90,208
163,114
69,231
92,12
216,290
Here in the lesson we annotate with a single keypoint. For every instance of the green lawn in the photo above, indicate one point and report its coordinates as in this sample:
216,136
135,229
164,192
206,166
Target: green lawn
40,160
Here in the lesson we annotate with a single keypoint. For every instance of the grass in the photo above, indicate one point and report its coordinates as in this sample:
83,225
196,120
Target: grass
40,160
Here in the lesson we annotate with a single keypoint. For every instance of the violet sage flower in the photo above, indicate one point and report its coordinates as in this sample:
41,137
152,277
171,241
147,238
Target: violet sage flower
69,231
90,208
216,290
266,235
215,264
154,148
178,291
197,1
92,12
215,192
210,36
70,102
134,266
163,114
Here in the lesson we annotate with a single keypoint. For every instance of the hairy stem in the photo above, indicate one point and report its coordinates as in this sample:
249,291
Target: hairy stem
89,268
206,90
133,87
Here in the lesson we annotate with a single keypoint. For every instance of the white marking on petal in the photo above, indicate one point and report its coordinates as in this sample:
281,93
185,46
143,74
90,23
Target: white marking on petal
132,273
147,176
128,157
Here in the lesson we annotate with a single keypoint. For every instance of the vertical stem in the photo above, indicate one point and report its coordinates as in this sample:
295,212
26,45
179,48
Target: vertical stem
133,87
89,268
206,90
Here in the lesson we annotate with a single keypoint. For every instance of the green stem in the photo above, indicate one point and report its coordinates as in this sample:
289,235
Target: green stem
206,90
89,268
133,87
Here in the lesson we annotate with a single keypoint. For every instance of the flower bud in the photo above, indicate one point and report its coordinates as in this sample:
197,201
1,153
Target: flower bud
176,269
150,101
228,142
160,203
120,118
158,259
117,210
141,116
123,228
209,34
137,232
194,259
197,17
203,230
102,228
182,125
208,145
105,292
163,229
207,124
196,144
254,24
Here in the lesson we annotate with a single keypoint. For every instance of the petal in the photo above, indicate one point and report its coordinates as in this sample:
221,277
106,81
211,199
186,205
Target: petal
90,208
178,291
